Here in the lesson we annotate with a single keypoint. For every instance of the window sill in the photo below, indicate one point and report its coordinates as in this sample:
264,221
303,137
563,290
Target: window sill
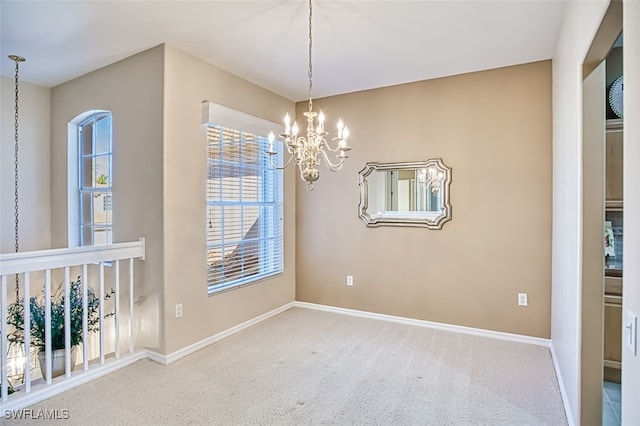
214,291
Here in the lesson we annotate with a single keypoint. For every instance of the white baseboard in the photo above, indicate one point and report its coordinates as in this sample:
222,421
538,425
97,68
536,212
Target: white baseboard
429,324
24,400
181,353
563,391
21,399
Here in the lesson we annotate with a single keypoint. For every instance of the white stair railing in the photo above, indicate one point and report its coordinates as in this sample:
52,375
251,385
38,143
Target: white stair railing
25,264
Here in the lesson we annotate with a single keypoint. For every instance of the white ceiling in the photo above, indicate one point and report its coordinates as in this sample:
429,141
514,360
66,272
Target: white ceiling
358,44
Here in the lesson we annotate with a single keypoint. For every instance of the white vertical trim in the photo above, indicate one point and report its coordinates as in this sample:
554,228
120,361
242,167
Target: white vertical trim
73,181
563,391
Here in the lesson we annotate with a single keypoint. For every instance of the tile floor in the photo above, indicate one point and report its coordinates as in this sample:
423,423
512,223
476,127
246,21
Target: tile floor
611,400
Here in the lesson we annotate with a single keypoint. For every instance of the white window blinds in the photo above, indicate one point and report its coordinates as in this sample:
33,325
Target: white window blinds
244,217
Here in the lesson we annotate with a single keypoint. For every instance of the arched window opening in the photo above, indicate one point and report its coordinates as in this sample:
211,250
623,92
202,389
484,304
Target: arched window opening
95,177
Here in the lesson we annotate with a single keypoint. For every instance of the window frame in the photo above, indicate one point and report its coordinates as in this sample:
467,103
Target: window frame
218,116
94,190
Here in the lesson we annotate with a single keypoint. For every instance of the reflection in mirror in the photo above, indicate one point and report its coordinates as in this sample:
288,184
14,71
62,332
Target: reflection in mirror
405,194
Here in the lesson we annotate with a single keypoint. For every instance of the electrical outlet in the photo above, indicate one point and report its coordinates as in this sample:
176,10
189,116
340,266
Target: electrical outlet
350,280
179,310
522,299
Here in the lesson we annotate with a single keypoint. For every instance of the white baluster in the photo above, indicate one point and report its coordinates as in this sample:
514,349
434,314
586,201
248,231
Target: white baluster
3,339
117,309
101,313
27,332
131,305
85,312
67,323
47,325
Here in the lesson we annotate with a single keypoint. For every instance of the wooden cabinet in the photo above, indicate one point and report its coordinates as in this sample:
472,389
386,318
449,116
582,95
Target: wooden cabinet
613,284
612,337
614,161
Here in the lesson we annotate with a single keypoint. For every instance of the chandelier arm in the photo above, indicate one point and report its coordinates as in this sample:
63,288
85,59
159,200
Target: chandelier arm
279,168
290,150
326,145
331,166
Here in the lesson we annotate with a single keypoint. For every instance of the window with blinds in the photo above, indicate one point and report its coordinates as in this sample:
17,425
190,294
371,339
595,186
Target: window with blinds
244,209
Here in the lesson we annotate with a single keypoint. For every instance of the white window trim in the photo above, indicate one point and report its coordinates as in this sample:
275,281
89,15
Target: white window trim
232,119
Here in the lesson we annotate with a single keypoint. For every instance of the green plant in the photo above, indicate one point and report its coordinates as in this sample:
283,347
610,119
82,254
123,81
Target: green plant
101,180
37,307
10,389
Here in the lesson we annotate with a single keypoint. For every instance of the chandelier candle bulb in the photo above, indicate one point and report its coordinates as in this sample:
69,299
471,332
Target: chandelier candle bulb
271,137
287,124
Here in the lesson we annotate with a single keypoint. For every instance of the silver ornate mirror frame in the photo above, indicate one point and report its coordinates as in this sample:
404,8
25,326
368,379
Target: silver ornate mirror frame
428,219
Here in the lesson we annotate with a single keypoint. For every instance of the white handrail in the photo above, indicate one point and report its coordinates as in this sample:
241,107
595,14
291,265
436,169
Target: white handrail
31,261
24,263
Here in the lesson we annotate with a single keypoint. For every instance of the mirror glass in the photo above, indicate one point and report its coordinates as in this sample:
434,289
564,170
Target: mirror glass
405,194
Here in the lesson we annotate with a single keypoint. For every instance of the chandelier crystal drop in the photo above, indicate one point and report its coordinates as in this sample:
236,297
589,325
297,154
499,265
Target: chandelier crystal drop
307,151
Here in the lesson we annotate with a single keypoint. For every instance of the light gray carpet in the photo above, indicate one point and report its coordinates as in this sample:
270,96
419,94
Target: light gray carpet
307,367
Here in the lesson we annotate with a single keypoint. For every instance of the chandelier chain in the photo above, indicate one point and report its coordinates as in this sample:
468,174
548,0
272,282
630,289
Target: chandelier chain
310,72
17,239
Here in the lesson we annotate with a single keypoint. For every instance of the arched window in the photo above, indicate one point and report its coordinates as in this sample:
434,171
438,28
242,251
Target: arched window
95,176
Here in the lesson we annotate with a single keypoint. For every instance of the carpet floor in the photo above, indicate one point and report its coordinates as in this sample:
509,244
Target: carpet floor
308,367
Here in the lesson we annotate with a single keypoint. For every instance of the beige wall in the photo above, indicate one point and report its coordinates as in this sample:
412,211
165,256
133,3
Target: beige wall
132,90
493,128
33,168
159,184
631,298
189,81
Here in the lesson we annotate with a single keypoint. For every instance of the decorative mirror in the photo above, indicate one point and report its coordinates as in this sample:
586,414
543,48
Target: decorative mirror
405,194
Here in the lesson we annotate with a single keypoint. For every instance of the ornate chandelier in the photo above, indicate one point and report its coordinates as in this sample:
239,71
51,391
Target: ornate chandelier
308,151
430,177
